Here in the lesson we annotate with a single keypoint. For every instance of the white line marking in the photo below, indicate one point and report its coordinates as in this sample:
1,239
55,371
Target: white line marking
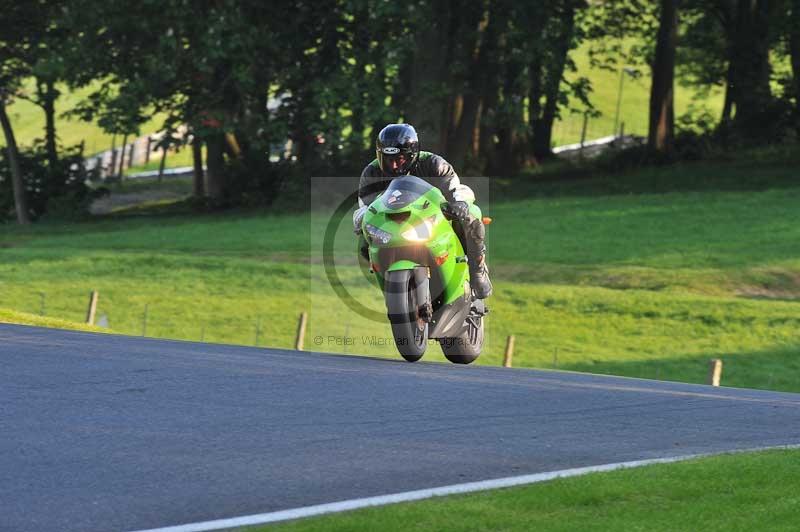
455,489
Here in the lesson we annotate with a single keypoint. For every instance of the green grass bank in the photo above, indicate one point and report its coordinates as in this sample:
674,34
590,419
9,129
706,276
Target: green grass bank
649,274
756,491
24,318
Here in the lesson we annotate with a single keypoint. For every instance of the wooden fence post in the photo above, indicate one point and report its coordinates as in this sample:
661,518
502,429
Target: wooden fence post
714,371
122,156
144,320
92,307
162,163
112,170
301,332
507,359
583,129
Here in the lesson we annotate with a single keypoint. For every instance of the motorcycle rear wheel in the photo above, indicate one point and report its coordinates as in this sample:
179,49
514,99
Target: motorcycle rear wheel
464,349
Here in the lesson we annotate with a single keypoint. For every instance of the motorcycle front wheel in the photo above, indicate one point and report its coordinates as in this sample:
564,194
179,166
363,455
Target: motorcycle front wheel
410,330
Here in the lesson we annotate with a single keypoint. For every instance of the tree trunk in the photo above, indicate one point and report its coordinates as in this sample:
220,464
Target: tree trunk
505,159
215,163
122,156
535,72
486,124
382,118
427,107
160,164
724,11
461,140
113,164
727,107
199,189
542,124
47,95
794,47
489,119
20,200
361,42
662,113
508,155
750,55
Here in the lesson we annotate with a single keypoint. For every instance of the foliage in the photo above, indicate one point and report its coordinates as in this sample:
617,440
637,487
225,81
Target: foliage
737,45
307,85
217,67
55,191
254,181
622,34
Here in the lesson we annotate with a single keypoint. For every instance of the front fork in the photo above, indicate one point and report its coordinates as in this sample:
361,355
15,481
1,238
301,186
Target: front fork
423,293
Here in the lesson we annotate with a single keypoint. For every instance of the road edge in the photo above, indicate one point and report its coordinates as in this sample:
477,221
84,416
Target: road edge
453,489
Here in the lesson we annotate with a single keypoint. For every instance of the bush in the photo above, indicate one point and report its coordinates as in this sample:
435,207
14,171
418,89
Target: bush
55,192
254,181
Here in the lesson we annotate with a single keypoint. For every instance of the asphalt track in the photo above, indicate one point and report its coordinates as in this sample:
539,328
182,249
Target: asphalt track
101,432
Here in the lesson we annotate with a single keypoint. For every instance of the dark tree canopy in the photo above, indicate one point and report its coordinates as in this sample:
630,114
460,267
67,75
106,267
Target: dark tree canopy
286,88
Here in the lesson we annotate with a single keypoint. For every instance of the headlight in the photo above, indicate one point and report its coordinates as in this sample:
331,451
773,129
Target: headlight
421,232
377,234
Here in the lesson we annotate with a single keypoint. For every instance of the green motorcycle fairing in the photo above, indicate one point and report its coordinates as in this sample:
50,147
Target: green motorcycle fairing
405,228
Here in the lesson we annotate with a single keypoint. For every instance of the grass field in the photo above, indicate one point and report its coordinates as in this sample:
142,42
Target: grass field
610,275
731,492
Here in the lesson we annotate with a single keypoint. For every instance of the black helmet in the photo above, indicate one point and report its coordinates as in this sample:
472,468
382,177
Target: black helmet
397,148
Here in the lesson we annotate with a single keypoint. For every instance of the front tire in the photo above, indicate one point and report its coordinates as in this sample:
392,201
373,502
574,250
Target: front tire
409,329
465,348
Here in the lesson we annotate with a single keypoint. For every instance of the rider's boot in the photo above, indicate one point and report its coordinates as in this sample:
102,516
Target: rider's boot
475,234
479,275
363,248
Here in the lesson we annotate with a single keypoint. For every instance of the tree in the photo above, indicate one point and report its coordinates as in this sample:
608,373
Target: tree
794,50
490,95
19,25
209,65
17,183
547,74
471,100
728,42
39,50
48,69
750,68
662,118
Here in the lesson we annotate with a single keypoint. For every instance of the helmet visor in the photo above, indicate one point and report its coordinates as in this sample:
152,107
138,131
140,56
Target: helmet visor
396,164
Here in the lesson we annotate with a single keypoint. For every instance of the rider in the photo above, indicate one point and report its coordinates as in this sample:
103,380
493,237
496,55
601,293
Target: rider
398,154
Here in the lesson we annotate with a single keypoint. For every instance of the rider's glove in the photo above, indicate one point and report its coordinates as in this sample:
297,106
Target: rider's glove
459,210
358,218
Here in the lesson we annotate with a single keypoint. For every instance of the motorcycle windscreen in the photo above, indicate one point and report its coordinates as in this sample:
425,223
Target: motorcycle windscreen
404,191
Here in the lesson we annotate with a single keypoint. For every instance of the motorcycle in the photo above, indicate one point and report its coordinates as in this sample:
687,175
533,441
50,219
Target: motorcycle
421,266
